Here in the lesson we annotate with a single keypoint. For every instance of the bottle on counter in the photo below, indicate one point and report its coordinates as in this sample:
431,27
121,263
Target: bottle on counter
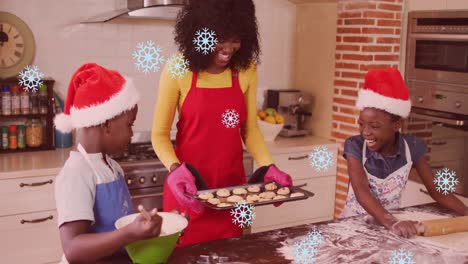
21,137
6,100
34,133
24,101
43,102
4,131
15,100
13,137
33,103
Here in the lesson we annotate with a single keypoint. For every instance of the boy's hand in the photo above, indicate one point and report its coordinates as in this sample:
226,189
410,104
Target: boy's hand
144,229
405,229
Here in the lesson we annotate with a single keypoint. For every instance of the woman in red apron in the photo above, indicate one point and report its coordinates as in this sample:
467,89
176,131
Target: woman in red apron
216,102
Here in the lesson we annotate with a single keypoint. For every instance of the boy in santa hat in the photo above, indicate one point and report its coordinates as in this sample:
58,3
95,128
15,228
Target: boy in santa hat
90,190
380,158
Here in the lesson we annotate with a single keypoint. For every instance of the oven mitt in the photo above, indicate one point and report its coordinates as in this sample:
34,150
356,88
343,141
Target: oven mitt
271,173
184,179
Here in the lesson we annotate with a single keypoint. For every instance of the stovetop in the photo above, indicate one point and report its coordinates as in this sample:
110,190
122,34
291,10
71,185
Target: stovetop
138,152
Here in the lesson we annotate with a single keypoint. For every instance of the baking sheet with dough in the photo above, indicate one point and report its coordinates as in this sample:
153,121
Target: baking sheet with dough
456,241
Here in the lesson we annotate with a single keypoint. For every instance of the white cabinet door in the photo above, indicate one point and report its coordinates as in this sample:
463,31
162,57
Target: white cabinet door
28,242
427,5
321,205
412,195
457,4
30,194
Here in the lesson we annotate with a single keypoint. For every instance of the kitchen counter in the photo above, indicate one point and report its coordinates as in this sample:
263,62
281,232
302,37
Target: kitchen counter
299,144
33,164
350,240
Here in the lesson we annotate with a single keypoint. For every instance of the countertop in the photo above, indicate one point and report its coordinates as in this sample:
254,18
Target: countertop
42,163
349,240
33,164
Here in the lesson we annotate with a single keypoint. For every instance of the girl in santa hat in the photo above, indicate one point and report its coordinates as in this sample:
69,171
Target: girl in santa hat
90,190
216,102
380,158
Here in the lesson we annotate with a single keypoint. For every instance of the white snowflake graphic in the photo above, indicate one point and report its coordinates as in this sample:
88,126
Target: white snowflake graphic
314,237
178,66
30,78
401,256
243,214
205,41
306,250
148,57
230,118
446,181
321,159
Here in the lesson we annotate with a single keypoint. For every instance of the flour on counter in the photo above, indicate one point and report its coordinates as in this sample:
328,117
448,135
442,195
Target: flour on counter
353,239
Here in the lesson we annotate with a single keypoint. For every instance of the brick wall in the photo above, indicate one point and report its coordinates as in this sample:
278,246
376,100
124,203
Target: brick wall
368,36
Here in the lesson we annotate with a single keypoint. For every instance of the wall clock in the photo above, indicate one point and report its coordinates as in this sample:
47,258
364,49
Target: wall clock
17,47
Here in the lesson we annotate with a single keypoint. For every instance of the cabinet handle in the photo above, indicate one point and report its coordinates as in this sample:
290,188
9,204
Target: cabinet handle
298,158
424,191
34,221
439,143
34,184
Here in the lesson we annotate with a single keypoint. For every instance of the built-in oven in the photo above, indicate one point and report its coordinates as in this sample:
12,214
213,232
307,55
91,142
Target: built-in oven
437,77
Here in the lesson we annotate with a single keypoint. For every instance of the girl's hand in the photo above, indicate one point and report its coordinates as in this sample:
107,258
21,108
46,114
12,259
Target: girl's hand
144,229
405,229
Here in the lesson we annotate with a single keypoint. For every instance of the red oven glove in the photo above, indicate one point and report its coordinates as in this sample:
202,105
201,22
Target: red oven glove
181,181
271,173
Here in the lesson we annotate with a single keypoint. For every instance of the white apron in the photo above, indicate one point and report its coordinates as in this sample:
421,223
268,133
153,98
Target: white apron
387,191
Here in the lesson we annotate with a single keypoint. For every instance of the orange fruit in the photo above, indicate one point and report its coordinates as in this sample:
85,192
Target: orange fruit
279,119
270,119
262,115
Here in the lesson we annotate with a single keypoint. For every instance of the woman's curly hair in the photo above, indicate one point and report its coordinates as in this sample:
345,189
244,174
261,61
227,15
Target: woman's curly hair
227,18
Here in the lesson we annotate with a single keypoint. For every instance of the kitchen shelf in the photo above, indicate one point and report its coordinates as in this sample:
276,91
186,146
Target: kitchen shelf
23,116
48,136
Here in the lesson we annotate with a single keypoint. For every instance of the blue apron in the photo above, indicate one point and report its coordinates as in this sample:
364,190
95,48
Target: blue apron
112,201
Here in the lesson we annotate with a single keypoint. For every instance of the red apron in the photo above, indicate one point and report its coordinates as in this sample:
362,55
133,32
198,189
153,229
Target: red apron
208,137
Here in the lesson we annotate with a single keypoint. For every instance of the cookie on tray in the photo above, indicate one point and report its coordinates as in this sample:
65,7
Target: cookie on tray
205,196
223,193
253,189
271,186
239,191
283,191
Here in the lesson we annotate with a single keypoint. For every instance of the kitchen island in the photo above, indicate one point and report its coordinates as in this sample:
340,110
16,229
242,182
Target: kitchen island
349,240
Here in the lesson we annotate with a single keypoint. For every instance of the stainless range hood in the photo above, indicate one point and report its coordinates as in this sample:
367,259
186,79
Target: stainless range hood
157,9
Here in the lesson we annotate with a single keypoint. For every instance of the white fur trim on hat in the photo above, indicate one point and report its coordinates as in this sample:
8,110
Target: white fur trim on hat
368,98
94,115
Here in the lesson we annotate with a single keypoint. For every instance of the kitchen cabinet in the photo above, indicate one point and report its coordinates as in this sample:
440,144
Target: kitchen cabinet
28,217
292,156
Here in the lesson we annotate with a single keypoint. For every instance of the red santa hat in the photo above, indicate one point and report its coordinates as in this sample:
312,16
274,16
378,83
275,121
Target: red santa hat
385,89
95,95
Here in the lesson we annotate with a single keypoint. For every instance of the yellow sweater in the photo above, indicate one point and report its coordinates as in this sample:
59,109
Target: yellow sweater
172,93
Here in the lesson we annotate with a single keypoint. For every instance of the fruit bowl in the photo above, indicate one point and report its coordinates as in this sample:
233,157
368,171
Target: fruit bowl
269,130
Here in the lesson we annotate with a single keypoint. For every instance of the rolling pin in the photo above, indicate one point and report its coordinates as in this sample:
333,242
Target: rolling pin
440,227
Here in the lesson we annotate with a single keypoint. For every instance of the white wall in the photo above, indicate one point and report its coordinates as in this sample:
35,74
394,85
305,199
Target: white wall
63,44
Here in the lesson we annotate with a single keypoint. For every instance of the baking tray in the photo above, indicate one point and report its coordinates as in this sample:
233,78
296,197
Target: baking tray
293,189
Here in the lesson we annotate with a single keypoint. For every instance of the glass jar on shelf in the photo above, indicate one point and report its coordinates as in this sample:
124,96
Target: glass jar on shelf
24,101
33,103
43,101
34,133
4,131
15,100
6,100
21,136
13,137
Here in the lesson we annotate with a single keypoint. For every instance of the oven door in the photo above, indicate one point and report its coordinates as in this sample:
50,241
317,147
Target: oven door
148,197
447,147
438,58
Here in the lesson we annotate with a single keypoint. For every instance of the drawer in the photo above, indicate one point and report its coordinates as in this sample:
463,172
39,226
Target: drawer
412,195
443,149
322,204
298,164
30,242
26,195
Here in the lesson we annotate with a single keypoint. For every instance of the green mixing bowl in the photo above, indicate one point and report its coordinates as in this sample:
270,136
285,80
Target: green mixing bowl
158,249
